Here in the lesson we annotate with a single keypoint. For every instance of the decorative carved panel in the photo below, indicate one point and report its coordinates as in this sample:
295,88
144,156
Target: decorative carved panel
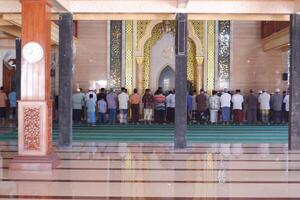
156,35
210,55
223,37
141,29
129,55
31,128
115,54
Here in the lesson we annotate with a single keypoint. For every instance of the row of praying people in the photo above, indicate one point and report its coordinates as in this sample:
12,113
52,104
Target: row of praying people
8,104
233,107
225,107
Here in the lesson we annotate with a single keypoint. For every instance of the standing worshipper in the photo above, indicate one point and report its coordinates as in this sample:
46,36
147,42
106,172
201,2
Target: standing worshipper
91,110
112,106
91,91
101,95
202,104
123,106
135,100
194,109
258,107
102,109
82,116
264,106
284,112
170,100
286,101
214,107
12,97
251,102
189,107
160,100
237,105
3,100
225,100
77,104
276,102
148,100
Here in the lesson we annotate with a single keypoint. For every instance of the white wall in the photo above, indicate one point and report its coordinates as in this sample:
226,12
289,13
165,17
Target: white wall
162,54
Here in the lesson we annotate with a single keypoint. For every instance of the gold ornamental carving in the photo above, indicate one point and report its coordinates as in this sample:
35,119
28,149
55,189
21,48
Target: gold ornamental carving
198,26
31,128
129,55
139,60
141,29
199,60
210,55
156,35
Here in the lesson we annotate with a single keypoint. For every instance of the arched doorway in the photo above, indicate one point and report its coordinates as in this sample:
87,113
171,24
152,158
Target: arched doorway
167,79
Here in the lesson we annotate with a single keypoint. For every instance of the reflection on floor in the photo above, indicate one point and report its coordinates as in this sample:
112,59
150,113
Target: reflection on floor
156,171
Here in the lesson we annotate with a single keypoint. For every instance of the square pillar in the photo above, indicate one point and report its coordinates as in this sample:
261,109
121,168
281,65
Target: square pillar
294,125
35,106
180,81
65,79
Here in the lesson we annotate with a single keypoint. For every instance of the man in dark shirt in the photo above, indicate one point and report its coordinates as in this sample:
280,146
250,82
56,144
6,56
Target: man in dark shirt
102,94
251,102
148,100
276,102
202,105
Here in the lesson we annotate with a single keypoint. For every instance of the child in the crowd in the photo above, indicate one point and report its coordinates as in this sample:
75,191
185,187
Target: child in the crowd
91,110
102,108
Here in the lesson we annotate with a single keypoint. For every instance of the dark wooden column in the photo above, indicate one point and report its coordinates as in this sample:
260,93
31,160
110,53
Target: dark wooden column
65,79
181,81
294,125
18,68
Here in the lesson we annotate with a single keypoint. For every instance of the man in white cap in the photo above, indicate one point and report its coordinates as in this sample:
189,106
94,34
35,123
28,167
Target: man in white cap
276,102
77,104
91,91
264,106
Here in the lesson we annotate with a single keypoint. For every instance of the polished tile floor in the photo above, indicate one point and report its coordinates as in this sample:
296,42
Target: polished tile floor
157,171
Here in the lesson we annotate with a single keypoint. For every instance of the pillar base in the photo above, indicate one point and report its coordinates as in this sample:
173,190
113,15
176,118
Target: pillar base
34,163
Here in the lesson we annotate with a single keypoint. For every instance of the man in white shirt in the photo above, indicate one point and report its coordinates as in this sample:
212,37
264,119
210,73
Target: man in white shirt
237,101
264,106
123,106
77,105
225,106
170,100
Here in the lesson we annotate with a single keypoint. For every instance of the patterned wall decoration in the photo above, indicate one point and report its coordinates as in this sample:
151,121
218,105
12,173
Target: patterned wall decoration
141,29
210,55
31,128
191,61
223,67
198,26
156,35
50,125
115,54
129,55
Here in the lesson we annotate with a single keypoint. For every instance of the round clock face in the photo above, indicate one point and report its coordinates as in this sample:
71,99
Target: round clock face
33,52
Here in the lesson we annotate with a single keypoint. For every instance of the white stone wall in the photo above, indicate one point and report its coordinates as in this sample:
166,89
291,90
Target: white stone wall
162,54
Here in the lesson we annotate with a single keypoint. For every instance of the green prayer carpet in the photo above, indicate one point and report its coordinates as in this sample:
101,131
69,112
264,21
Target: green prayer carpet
165,133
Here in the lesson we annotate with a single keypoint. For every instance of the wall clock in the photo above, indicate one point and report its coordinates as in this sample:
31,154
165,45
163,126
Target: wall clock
33,52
